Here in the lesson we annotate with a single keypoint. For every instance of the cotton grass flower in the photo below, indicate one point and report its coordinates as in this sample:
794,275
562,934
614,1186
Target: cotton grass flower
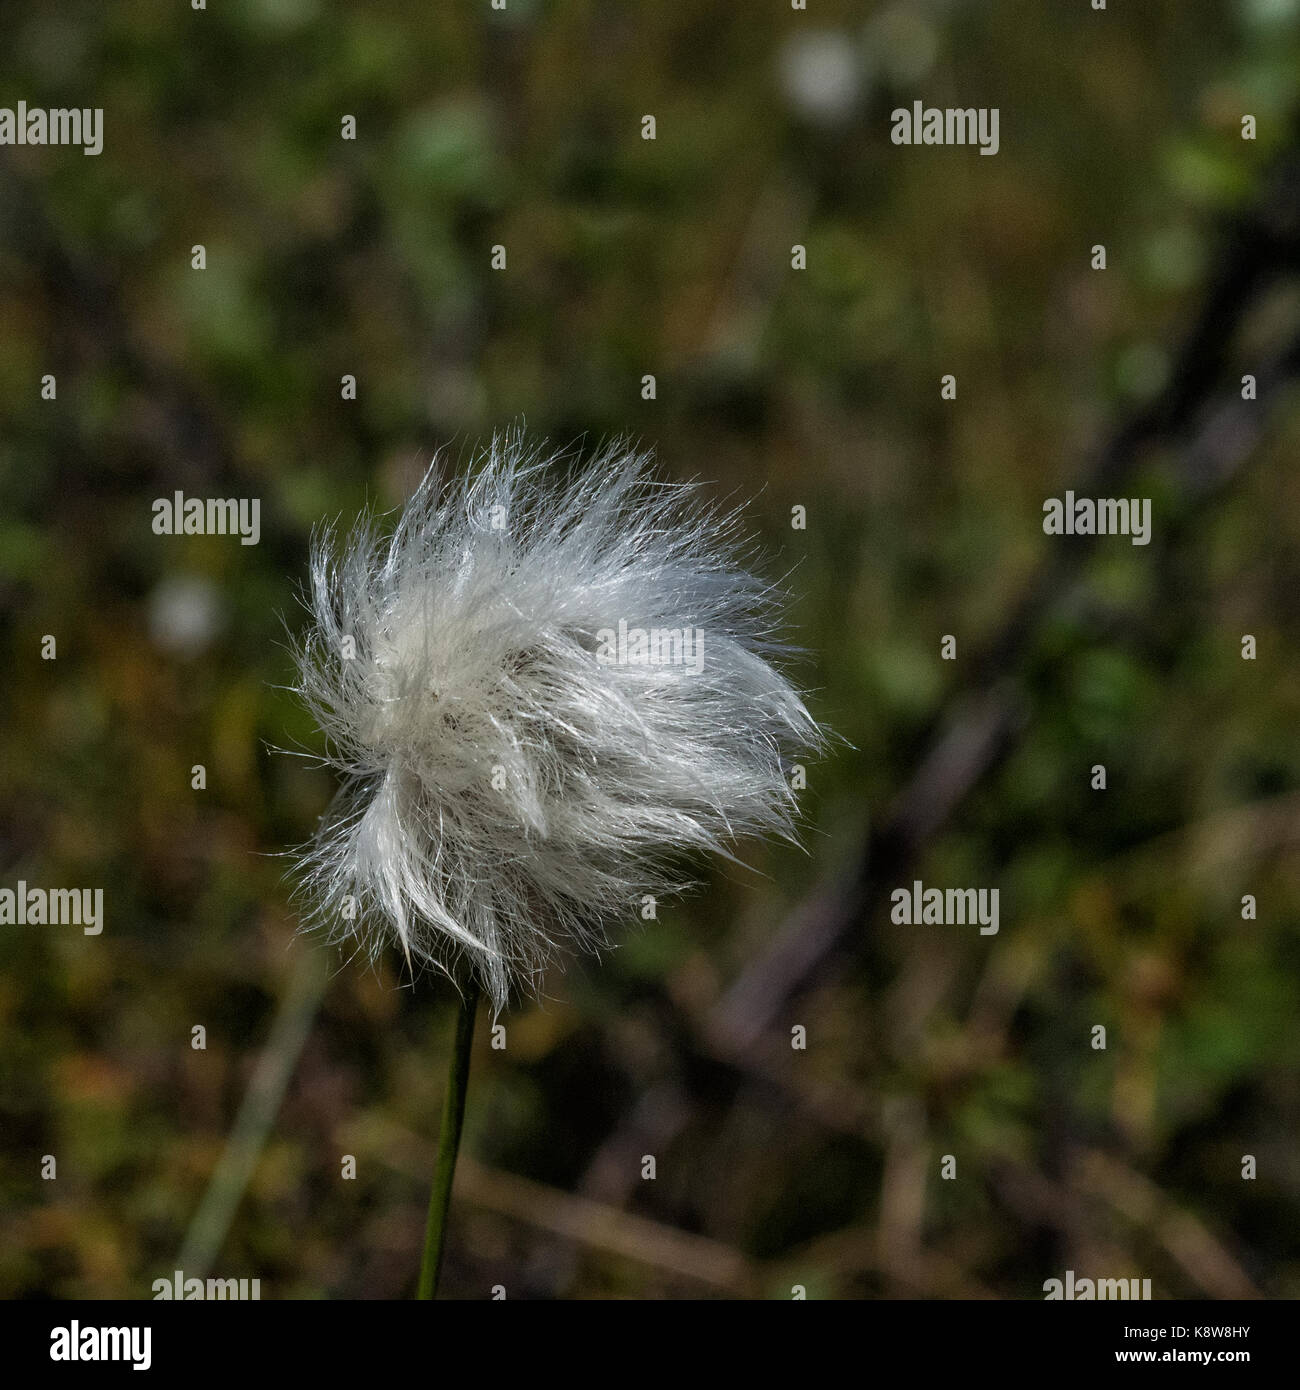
514,783
546,689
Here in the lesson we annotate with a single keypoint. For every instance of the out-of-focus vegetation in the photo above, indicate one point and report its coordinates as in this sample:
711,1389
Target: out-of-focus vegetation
818,388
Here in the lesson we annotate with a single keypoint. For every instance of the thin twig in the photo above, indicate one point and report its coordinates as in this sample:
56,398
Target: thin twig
261,1104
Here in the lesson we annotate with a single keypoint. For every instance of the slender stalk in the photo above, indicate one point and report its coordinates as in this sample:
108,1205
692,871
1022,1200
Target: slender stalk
290,1028
453,1116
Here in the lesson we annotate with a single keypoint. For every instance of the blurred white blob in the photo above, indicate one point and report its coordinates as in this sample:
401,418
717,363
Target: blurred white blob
821,76
185,615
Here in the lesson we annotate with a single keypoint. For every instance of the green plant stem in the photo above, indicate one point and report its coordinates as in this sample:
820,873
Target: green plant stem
453,1117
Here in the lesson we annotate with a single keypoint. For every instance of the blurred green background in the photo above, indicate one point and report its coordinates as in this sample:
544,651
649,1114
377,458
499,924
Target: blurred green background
816,388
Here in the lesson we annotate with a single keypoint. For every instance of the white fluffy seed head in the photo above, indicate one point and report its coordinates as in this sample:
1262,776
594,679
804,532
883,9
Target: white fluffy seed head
520,768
